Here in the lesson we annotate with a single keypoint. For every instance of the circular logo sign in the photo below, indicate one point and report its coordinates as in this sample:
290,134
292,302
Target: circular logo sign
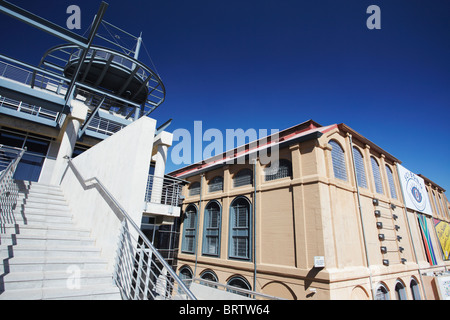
415,194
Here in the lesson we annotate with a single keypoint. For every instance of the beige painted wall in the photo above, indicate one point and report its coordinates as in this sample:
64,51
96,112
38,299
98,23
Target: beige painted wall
315,214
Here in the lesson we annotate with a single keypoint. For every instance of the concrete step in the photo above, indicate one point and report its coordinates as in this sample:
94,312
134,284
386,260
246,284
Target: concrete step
95,292
45,230
24,251
40,264
47,240
71,278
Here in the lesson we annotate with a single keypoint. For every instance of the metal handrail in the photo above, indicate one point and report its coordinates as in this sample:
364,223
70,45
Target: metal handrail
164,190
232,289
136,228
9,192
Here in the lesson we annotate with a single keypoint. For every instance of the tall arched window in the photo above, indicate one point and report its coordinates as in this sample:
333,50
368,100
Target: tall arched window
400,291
239,234
436,204
442,204
381,293
189,229
338,158
414,286
391,182
360,169
376,175
194,188
211,229
283,170
242,178
216,184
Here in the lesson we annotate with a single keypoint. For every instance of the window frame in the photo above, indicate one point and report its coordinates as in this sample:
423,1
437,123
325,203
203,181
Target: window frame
212,183
194,187
285,173
391,182
238,232
338,160
375,173
218,229
240,174
360,168
192,231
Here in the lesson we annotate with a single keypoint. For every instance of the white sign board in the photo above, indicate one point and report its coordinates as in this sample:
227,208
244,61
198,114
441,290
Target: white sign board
443,284
415,194
319,262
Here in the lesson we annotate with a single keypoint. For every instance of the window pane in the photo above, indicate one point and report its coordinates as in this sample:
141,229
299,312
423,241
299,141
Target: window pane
242,178
194,189
360,169
376,175
338,158
240,231
283,170
216,184
391,182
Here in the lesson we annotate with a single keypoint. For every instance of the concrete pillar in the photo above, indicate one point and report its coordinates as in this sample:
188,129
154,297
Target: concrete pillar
67,139
162,142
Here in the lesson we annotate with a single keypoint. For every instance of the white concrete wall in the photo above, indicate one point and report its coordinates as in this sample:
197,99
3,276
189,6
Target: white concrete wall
121,163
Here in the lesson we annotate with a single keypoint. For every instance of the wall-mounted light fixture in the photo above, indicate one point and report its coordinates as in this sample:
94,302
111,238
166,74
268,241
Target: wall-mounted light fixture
381,237
375,202
383,249
386,262
380,225
377,213
395,216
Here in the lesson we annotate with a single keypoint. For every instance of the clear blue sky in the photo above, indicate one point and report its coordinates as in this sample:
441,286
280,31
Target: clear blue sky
276,63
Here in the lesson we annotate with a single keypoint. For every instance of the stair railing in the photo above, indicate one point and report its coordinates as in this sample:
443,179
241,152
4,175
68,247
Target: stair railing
9,191
141,272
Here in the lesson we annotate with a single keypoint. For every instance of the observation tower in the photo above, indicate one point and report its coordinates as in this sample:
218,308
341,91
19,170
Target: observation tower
87,88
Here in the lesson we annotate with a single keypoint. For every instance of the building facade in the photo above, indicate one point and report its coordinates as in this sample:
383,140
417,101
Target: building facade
329,223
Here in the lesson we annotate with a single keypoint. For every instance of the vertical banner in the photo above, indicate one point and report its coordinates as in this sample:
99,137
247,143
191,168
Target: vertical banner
415,194
426,237
443,233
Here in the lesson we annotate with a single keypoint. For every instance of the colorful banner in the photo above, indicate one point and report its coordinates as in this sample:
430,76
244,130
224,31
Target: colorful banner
415,194
443,233
426,237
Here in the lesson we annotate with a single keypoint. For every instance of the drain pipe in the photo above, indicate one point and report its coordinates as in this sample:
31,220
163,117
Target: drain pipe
361,215
254,224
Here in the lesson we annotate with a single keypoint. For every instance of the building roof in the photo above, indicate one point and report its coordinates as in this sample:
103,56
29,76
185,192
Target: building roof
301,132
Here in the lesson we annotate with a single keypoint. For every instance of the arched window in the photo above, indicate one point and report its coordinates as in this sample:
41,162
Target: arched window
414,286
435,203
209,276
242,178
283,170
239,235
400,291
390,177
360,169
442,204
189,228
194,188
185,273
376,175
338,158
381,293
216,184
241,283
211,229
